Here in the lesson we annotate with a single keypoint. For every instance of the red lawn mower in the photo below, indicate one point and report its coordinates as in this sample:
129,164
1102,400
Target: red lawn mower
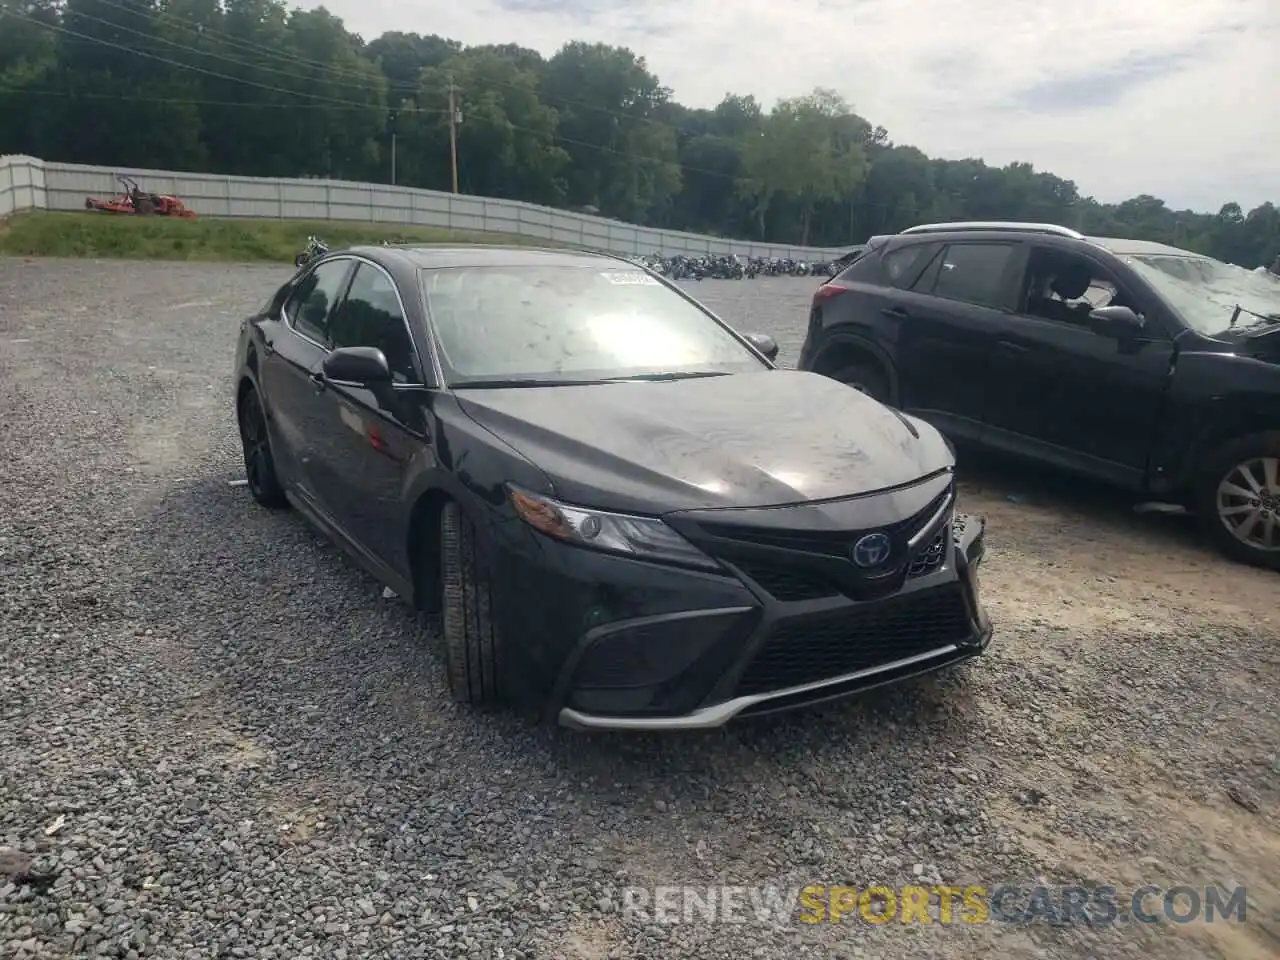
135,200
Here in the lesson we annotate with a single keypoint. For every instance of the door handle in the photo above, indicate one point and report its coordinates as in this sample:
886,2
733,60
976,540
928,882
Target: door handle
1013,346
317,380
895,313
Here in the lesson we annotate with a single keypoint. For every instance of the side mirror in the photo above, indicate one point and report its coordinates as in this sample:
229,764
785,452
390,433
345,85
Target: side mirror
365,366
765,344
1116,321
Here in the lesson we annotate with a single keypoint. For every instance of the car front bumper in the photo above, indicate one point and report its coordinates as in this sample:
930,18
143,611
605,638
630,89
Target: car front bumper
958,579
728,647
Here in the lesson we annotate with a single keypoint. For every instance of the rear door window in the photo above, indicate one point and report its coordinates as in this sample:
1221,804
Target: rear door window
974,273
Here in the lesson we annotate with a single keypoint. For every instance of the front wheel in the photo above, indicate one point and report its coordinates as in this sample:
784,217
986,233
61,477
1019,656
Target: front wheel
467,623
1238,499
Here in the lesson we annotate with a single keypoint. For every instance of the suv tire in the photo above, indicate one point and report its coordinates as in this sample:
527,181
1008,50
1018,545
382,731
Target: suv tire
865,377
1234,486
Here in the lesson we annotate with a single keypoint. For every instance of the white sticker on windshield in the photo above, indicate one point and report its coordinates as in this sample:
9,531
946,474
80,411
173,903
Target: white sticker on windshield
628,278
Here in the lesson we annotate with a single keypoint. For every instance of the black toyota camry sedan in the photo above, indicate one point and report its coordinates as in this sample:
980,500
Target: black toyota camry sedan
614,505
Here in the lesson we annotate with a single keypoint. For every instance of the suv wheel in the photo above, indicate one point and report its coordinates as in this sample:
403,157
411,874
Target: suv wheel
471,642
865,377
1238,499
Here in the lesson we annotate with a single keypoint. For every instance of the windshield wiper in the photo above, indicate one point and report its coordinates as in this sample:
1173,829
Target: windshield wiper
544,382
1264,317
667,376
524,382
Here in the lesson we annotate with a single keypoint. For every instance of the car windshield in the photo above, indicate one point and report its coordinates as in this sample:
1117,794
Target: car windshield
1206,292
537,325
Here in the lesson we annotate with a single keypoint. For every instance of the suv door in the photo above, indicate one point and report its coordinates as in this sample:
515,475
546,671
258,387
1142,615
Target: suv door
1066,393
289,370
946,321
370,436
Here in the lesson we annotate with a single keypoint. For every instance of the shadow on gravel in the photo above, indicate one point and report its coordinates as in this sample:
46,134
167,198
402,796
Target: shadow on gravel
1019,483
298,654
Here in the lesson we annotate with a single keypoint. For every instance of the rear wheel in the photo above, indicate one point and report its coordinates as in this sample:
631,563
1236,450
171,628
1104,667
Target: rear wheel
259,464
467,625
865,377
1238,499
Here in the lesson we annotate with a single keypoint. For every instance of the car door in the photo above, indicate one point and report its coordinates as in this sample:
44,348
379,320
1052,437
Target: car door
294,348
1064,391
946,321
367,437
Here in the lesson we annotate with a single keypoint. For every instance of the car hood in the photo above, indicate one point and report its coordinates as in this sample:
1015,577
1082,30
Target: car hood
743,440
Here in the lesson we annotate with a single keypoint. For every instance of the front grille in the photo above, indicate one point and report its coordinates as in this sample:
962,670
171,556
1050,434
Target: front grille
866,636
933,556
787,583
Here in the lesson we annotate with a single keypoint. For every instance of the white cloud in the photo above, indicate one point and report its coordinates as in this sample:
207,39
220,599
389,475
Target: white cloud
1154,96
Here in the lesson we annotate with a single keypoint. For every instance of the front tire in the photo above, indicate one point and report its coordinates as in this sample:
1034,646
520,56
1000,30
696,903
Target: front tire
467,624
1238,500
259,464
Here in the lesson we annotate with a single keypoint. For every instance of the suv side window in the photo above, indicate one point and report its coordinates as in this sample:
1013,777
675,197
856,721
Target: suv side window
371,316
308,309
973,273
904,264
1063,286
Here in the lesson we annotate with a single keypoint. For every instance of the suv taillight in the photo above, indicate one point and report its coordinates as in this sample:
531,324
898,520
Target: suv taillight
826,292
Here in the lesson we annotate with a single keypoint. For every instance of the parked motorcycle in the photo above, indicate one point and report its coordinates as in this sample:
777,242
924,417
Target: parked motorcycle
314,249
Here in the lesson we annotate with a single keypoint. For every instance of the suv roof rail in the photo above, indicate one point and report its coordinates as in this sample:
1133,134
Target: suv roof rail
1013,226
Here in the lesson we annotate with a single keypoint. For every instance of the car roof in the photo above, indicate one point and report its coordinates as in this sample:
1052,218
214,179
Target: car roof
1141,248
432,256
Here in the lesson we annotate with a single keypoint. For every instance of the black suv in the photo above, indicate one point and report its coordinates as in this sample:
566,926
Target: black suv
1137,363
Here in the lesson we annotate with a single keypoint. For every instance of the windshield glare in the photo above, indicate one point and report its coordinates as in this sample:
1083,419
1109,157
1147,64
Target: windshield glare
1206,292
572,323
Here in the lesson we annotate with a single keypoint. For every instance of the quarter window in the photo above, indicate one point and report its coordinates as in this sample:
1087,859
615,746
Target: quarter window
903,265
371,316
309,308
974,273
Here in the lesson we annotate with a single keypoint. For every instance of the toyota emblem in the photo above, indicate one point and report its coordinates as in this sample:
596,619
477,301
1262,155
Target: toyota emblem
871,550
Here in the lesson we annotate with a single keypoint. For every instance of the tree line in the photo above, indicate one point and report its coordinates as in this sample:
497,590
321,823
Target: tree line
252,87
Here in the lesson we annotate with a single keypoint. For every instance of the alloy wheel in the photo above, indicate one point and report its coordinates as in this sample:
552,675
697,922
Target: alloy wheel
1248,503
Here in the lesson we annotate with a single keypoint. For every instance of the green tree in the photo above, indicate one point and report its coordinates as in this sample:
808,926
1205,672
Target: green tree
260,88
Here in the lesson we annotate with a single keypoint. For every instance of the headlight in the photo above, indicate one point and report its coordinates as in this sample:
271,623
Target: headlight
646,538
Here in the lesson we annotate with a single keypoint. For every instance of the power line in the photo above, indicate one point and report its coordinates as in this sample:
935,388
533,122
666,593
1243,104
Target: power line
216,56
199,102
248,46
188,66
322,101
263,49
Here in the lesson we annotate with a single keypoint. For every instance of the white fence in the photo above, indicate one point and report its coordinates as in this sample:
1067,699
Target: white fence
22,185
27,183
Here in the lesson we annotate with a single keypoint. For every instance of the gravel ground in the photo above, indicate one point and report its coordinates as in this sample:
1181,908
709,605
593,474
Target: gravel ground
217,739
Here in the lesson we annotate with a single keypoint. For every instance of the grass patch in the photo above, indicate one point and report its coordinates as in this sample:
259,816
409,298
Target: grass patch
101,235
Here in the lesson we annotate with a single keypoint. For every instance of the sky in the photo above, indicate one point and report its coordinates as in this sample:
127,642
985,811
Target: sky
1176,98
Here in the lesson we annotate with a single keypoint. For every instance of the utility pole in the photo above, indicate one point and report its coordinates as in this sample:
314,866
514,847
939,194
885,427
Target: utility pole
393,147
455,115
